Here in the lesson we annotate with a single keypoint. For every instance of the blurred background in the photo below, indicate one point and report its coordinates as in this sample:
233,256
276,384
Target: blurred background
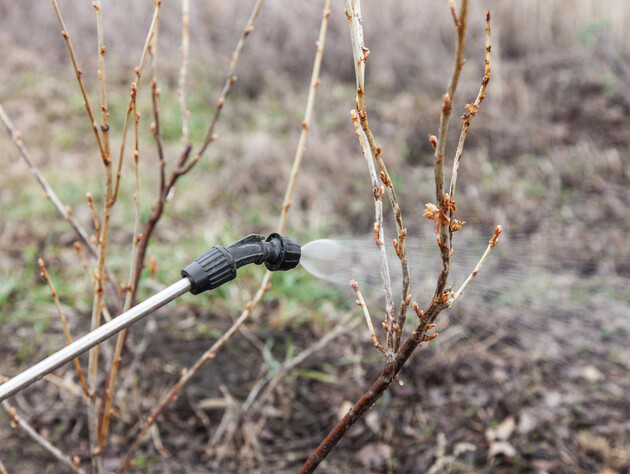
531,371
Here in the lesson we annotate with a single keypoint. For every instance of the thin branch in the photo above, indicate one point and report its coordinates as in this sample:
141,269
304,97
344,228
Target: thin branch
231,78
491,244
253,403
111,194
440,143
359,52
366,313
108,396
360,55
366,402
50,194
79,74
310,101
378,193
471,110
155,126
183,71
102,79
64,324
375,392
99,275
16,421
97,227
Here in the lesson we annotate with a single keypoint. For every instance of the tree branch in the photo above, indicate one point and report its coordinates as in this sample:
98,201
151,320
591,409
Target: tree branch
16,421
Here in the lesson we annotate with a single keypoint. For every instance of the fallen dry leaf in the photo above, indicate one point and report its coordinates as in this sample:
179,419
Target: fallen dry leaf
374,455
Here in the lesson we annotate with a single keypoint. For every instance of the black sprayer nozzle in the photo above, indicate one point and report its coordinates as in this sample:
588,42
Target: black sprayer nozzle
218,265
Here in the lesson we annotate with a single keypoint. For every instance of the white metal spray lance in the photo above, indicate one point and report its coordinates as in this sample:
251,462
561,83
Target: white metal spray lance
210,270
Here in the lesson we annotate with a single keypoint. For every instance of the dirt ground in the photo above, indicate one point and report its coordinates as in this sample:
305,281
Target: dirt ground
531,371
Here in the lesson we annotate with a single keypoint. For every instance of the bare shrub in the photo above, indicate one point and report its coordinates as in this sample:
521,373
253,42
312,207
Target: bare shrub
400,57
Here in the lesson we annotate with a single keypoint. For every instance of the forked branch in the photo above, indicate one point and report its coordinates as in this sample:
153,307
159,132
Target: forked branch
184,165
79,74
360,55
439,143
16,421
442,214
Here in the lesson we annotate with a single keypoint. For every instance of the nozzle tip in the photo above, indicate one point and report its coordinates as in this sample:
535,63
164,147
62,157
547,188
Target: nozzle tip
287,255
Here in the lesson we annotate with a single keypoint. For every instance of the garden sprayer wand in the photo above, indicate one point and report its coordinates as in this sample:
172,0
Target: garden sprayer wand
208,271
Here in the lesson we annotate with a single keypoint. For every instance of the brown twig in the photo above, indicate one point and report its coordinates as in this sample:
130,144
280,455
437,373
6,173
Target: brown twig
102,80
155,126
111,193
491,244
79,74
102,141
108,395
440,144
310,101
16,421
366,313
64,324
376,391
97,227
471,112
265,284
97,302
366,402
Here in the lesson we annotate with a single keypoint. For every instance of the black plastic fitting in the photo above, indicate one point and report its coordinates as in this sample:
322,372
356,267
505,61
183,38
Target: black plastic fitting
218,265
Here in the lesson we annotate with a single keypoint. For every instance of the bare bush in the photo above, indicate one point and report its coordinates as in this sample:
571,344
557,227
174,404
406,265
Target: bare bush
100,408
127,418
